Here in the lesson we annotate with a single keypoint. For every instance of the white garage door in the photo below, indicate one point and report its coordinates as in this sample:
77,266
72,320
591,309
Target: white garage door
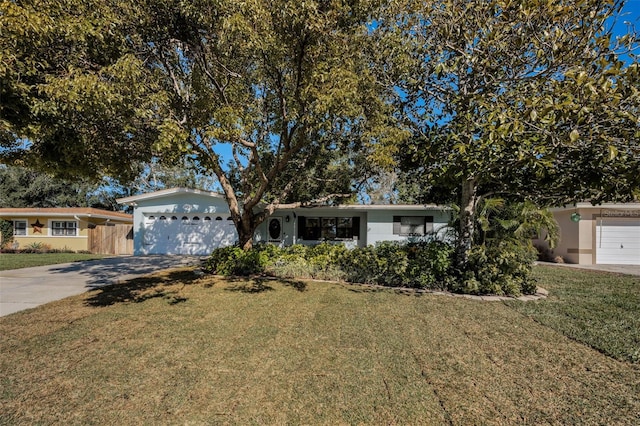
187,234
618,241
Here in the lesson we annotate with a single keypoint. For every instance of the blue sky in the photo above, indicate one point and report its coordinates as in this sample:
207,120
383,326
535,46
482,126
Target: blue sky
631,14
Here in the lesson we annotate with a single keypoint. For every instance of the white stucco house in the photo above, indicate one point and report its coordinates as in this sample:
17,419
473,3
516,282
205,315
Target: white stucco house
194,222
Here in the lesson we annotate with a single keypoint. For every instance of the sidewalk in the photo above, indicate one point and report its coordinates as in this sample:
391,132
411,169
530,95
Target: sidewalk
618,269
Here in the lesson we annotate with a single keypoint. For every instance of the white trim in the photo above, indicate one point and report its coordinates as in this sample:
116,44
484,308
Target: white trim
165,193
71,215
617,206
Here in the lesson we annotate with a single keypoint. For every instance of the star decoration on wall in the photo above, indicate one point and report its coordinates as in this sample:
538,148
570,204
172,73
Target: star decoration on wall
37,227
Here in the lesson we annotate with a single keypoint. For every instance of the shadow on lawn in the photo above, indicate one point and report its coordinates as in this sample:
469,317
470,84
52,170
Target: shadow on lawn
402,291
138,290
259,285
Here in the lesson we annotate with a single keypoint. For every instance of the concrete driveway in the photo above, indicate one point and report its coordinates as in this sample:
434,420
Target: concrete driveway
618,269
29,287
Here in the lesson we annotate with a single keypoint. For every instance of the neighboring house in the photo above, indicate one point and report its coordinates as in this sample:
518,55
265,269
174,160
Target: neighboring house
604,234
187,221
59,228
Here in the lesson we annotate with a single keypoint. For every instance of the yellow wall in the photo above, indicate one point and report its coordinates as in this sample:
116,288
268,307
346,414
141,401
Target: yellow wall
70,243
75,243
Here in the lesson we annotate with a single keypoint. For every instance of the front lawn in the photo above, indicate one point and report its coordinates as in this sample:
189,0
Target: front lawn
179,349
27,260
599,309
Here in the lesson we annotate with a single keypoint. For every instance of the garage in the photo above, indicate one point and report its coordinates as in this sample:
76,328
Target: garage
186,234
180,221
618,241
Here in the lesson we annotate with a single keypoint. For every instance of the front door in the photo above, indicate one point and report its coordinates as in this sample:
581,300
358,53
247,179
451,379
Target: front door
275,229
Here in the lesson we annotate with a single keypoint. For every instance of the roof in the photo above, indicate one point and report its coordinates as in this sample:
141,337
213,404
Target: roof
165,193
618,206
88,212
133,200
369,207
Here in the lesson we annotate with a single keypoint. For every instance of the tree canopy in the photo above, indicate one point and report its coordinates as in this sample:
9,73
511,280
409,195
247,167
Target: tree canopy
525,100
289,102
280,88
21,187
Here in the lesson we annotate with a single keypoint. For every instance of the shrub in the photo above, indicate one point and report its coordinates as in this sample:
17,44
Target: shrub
225,260
37,247
429,264
292,267
499,267
360,265
6,233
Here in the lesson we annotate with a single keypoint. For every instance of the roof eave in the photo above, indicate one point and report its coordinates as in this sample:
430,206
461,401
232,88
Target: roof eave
132,200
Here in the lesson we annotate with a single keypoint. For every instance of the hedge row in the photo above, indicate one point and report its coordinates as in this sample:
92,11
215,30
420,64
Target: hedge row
500,268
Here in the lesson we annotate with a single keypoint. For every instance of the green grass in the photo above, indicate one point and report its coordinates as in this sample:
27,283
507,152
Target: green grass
601,310
178,349
27,260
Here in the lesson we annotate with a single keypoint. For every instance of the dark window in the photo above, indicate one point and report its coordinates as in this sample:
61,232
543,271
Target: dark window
19,227
328,231
345,227
163,218
218,218
207,218
67,229
412,225
174,218
328,228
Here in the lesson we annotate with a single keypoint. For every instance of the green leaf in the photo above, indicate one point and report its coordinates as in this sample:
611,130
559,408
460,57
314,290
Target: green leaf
574,135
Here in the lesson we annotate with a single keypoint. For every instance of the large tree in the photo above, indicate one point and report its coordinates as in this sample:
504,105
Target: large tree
75,100
524,100
21,187
262,94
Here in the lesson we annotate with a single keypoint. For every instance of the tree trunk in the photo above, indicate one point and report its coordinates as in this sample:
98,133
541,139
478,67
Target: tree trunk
467,223
246,228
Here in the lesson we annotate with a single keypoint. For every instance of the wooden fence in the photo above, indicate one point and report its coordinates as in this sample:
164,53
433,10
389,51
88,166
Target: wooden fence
117,239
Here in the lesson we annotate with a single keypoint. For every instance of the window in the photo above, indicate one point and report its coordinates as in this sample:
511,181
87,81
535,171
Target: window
207,218
345,228
328,228
19,227
412,225
328,231
163,218
66,229
311,229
